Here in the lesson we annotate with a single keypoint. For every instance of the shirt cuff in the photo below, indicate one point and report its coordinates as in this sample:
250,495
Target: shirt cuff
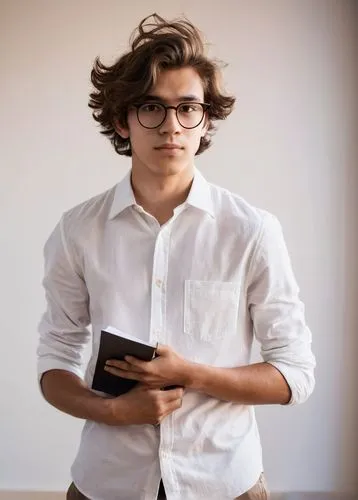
45,365
301,382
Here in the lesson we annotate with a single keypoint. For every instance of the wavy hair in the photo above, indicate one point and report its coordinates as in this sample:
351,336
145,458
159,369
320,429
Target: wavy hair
156,45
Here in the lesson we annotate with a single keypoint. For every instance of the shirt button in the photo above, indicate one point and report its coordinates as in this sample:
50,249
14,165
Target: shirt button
158,282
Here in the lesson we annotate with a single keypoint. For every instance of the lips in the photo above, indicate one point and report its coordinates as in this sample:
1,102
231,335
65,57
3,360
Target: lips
169,146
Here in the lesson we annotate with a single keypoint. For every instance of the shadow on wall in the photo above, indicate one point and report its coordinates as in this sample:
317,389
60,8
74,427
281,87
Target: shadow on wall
348,333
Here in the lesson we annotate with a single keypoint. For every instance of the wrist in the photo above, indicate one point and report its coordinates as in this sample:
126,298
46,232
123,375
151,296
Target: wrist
116,411
104,410
193,376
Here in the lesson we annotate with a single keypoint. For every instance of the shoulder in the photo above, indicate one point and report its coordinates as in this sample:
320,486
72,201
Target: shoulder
88,214
235,211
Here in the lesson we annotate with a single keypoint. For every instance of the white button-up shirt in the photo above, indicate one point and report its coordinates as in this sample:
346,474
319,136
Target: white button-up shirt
205,282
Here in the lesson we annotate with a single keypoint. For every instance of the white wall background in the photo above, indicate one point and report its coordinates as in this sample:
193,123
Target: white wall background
290,147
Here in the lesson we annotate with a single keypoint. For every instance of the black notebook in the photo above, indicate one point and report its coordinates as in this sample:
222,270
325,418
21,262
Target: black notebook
115,344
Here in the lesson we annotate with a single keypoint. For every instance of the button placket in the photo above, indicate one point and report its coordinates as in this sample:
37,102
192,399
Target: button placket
159,273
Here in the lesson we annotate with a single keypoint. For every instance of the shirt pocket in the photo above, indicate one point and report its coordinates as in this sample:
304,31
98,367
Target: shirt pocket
211,309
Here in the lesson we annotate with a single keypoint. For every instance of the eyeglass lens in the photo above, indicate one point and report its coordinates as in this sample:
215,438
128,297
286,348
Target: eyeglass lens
152,115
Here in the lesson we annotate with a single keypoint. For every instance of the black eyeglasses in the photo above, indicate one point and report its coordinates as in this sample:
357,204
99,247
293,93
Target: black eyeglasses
153,114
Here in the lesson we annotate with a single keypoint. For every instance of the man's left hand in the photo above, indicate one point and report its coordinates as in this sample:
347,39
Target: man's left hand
167,369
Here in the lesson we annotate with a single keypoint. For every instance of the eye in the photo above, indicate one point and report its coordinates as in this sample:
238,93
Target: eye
190,107
150,107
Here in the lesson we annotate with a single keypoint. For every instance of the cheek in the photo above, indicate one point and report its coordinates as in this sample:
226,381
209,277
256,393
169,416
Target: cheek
140,137
136,131
194,139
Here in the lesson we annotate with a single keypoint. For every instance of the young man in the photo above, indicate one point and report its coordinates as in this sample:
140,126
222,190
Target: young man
170,258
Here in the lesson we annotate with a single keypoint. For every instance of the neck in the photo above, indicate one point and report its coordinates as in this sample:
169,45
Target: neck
159,195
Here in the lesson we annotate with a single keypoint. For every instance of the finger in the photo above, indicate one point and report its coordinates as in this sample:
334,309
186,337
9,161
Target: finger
124,373
176,392
154,384
173,394
143,386
139,363
122,365
149,386
174,405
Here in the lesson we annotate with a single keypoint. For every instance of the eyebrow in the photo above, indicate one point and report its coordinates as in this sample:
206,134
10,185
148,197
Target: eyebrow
183,98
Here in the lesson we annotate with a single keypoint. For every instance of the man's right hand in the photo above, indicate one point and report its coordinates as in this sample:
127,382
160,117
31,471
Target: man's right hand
144,405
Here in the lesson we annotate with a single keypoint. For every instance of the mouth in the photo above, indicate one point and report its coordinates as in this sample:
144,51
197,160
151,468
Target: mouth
169,147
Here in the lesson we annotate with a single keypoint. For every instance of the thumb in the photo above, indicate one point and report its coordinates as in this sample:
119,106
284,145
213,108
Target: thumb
162,350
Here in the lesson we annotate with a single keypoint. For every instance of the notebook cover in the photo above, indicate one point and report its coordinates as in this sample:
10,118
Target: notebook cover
116,347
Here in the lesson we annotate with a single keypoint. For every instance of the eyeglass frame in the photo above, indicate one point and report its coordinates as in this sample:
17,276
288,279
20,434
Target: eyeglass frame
205,106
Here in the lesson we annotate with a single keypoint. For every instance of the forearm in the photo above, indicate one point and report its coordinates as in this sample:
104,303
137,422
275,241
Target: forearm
255,384
68,393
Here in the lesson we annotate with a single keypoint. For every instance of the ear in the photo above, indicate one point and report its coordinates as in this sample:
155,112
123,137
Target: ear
122,131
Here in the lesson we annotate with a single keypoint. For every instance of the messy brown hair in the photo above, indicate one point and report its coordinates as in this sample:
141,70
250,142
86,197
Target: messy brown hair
156,45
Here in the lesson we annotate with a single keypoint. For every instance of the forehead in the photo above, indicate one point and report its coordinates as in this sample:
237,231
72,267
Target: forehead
174,84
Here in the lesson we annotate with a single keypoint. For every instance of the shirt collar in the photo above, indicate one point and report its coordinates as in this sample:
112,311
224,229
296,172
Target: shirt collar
199,195
123,196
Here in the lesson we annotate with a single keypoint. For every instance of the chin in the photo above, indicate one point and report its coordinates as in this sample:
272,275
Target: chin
169,168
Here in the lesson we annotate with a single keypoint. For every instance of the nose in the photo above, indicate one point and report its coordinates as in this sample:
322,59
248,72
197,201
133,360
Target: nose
170,124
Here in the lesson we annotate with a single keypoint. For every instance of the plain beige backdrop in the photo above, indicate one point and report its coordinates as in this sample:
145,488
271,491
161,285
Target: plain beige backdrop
290,146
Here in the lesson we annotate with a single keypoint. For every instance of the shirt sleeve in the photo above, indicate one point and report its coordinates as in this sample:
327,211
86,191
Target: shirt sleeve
63,327
278,313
